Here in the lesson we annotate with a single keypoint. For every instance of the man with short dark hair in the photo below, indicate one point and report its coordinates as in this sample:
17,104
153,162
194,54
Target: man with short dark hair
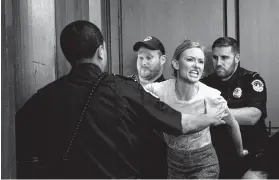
89,124
245,92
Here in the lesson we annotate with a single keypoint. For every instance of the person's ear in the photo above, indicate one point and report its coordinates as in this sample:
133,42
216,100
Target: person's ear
101,52
175,64
163,59
237,57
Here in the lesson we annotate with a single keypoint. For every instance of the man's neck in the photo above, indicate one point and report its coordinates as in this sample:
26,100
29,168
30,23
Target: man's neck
185,91
89,62
229,77
149,81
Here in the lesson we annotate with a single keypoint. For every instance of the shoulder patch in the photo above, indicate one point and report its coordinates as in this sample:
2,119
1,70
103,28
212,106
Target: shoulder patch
258,85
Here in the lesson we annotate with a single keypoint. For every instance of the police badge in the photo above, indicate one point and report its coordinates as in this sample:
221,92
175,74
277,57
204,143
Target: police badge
237,93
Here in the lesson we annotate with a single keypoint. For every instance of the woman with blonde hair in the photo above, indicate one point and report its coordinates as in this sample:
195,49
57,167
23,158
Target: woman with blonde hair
192,155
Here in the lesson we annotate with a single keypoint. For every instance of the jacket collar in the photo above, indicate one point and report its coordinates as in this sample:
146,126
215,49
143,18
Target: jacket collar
160,79
85,72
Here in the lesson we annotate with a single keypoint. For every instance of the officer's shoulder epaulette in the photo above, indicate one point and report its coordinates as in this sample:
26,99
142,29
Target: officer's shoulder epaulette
251,74
133,76
255,74
127,78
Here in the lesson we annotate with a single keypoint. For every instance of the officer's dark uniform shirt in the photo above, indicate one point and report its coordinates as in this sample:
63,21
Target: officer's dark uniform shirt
243,89
155,159
109,143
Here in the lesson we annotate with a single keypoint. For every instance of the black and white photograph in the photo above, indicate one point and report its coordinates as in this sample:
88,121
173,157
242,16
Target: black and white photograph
139,89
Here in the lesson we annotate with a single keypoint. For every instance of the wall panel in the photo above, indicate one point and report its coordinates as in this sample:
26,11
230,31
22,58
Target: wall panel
259,27
35,47
171,22
7,91
27,63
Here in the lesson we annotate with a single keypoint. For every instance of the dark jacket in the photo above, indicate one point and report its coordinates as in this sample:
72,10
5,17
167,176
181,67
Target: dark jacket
109,142
155,164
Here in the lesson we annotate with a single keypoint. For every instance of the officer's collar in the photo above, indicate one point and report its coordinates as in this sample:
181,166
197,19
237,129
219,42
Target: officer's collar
160,79
86,71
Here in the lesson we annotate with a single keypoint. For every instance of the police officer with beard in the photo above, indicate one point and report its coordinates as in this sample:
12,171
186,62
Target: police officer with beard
245,92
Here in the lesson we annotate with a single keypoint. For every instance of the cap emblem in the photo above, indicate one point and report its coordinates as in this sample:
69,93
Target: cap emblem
148,38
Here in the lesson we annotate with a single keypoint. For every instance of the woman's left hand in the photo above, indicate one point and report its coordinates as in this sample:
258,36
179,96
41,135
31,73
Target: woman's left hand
243,153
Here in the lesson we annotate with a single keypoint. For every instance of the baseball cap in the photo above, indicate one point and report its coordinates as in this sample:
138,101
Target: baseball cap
150,42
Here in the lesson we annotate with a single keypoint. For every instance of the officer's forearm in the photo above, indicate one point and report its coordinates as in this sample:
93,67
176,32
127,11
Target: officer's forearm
194,123
246,115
